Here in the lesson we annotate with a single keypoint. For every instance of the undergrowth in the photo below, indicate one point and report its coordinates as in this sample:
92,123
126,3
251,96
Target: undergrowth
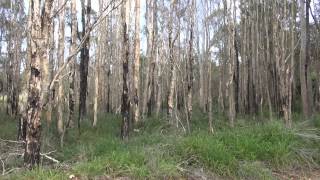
251,150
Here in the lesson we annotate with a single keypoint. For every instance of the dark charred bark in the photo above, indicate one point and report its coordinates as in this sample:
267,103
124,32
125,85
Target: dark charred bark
40,33
33,128
22,126
125,107
84,55
108,90
236,74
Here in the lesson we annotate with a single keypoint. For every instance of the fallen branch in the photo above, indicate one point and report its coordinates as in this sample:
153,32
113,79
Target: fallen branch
183,170
50,158
13,169
310,136
50,152
11,141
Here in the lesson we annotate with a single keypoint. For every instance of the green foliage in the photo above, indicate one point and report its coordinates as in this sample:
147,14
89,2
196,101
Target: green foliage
40,174
225,150
316,121
8,127
251,150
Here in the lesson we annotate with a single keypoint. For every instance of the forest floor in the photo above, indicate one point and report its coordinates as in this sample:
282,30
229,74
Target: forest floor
254,149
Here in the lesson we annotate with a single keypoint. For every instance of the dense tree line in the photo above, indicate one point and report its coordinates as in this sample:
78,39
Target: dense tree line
233,57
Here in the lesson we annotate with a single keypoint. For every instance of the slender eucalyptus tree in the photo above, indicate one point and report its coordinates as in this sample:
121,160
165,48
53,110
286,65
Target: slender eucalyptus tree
136,64
84,59
61,47
39,36
72,65
125,106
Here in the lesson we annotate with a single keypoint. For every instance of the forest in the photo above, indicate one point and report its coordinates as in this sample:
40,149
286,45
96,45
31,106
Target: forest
160,89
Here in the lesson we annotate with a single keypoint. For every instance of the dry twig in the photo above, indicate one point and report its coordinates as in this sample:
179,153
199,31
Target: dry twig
11,141
50,158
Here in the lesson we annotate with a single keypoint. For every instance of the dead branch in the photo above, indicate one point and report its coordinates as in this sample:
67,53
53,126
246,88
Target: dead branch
50,152
11,170
11,141
59,9
50,158
307,135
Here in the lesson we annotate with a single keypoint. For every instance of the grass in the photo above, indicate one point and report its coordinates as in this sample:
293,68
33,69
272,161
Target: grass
224,151
8,126
251,150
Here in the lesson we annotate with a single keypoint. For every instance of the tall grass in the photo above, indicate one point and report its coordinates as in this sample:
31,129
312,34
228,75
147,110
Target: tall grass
251,150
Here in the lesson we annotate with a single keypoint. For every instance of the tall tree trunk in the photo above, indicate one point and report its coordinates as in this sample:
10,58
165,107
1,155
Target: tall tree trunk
84,62
201,84
9,74
72,68
153,89
45,64
60,56
125,107
51,72
268,60
172,80
16,65
231,92
96,88
304,60
157,86
210,123
39,35
284,72
136,64
222,65
109,73
244,90
98,58
190,66
22,121
150,58
308,60
11,94
290,71
236,73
